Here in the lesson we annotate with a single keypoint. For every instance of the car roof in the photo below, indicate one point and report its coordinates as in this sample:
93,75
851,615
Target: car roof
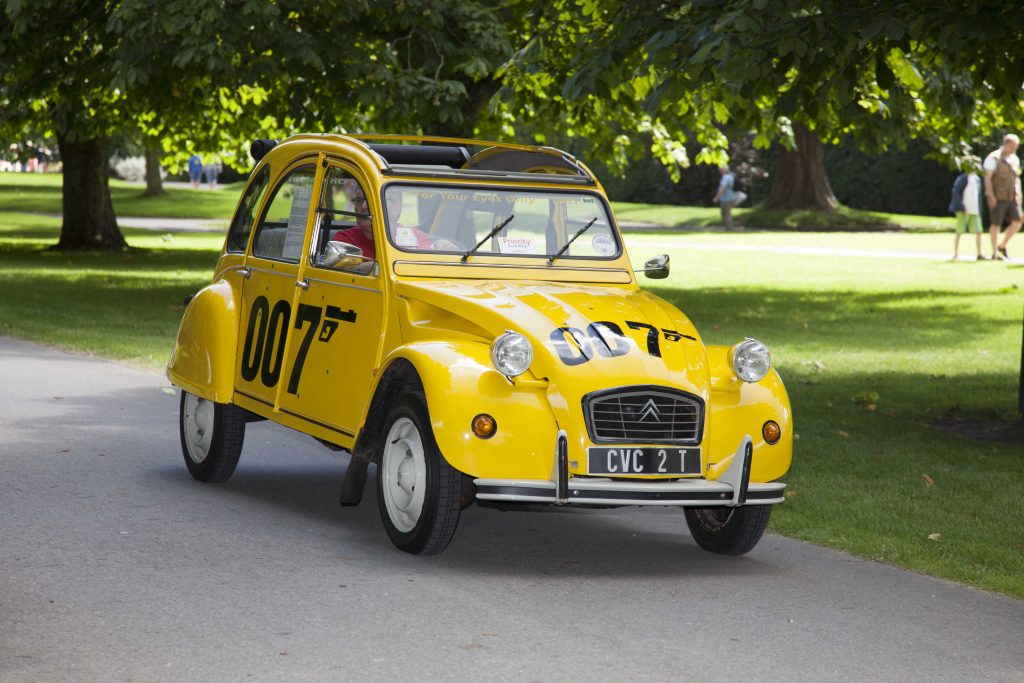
454,158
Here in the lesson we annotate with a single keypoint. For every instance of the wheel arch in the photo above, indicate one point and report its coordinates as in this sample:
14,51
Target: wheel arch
399,377
203,358
457,381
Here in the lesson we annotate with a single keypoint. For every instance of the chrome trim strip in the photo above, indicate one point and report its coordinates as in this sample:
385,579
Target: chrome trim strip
410,171
273,272
342,284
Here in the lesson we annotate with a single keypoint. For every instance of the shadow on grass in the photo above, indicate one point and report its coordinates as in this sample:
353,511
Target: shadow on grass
905,320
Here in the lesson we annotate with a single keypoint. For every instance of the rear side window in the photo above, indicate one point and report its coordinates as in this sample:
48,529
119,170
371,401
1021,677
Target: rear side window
241,224
283,226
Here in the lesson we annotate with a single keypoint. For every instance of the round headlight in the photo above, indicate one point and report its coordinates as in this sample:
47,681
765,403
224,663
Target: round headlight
511,354
751,360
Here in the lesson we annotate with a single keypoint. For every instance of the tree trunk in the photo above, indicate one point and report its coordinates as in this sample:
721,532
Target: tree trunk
154,182
89,221
800,181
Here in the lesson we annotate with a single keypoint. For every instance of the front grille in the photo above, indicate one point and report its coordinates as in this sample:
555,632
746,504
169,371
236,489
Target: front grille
644,415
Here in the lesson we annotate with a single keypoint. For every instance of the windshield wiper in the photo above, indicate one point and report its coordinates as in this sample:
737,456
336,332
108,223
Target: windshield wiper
571,240
494,231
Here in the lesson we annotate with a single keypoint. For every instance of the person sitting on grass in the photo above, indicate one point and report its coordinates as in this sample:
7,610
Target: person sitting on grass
727,197
965,204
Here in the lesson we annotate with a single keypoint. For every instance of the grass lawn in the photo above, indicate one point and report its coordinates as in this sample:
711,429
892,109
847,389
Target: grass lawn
844,219
931,338
41,193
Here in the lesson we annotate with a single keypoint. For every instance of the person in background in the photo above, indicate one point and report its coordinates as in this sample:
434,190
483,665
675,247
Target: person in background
727,197
965,204
1002,192
195,170
211,170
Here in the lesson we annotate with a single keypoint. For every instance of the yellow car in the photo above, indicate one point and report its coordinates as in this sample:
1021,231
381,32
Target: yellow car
464,315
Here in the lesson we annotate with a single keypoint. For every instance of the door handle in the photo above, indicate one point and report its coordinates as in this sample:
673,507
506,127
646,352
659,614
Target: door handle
244,272
302,283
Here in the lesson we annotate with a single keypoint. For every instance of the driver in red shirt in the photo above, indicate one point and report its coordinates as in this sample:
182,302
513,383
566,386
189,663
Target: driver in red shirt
361,235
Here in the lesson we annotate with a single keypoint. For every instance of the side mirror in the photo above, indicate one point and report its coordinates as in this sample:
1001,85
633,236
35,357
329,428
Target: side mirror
657,268
341,255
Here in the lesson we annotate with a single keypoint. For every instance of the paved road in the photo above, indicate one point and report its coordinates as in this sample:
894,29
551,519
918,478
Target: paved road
116,566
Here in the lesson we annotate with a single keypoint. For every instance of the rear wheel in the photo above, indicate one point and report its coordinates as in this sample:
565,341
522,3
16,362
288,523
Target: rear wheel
211,437
418,492
728,531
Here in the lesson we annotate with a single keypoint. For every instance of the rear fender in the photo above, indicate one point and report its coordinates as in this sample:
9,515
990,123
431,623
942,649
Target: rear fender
203,358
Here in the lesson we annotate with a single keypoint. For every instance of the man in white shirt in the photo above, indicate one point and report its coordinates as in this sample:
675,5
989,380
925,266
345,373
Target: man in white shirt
1002,193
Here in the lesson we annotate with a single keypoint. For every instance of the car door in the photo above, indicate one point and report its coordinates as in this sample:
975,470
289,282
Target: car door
340,314
269,292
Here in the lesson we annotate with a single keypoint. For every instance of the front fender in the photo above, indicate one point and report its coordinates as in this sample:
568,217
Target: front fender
739,408
203,357
460,383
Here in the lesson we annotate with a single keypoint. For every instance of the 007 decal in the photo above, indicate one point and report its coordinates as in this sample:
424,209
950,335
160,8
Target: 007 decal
605,338
267,332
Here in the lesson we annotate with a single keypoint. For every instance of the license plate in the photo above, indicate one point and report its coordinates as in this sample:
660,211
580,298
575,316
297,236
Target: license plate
643,461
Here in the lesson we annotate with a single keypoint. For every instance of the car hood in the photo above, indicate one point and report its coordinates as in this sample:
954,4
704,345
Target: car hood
587,337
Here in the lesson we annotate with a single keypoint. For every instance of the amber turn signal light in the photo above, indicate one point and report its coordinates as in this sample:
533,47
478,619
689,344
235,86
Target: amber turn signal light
484,426
771,431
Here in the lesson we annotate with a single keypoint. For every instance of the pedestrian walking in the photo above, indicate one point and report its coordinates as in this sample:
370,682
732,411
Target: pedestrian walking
965,204
727,196
195,170
211,170
1002,193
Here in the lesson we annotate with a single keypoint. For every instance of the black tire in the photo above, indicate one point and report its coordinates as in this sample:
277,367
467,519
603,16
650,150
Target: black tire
407,457
214,459
728,531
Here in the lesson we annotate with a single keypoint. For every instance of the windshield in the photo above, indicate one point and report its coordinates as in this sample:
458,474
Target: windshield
509,222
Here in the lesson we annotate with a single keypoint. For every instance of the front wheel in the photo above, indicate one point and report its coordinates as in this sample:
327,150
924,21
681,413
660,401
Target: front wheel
211,437
728,531
418,492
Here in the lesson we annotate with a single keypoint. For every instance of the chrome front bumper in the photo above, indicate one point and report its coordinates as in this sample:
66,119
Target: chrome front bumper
732,488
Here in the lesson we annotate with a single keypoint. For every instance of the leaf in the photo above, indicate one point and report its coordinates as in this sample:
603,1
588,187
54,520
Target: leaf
845,435
935,537
928,481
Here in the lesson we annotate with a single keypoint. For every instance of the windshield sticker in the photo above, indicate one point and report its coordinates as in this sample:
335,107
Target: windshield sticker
405,237
301,195
603,245
517,245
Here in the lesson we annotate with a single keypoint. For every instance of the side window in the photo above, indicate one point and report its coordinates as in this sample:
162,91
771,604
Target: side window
346,221
282,227
241,224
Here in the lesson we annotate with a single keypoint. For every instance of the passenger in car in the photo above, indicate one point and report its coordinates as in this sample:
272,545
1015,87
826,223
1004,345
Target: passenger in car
361,235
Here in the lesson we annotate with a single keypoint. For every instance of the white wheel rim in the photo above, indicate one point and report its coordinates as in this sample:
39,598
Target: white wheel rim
403,473
197,420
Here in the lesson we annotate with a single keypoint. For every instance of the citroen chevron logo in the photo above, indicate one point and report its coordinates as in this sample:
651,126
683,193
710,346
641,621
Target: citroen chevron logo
650,410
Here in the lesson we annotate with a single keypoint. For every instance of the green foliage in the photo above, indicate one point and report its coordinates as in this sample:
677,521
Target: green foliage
945,71
214,75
